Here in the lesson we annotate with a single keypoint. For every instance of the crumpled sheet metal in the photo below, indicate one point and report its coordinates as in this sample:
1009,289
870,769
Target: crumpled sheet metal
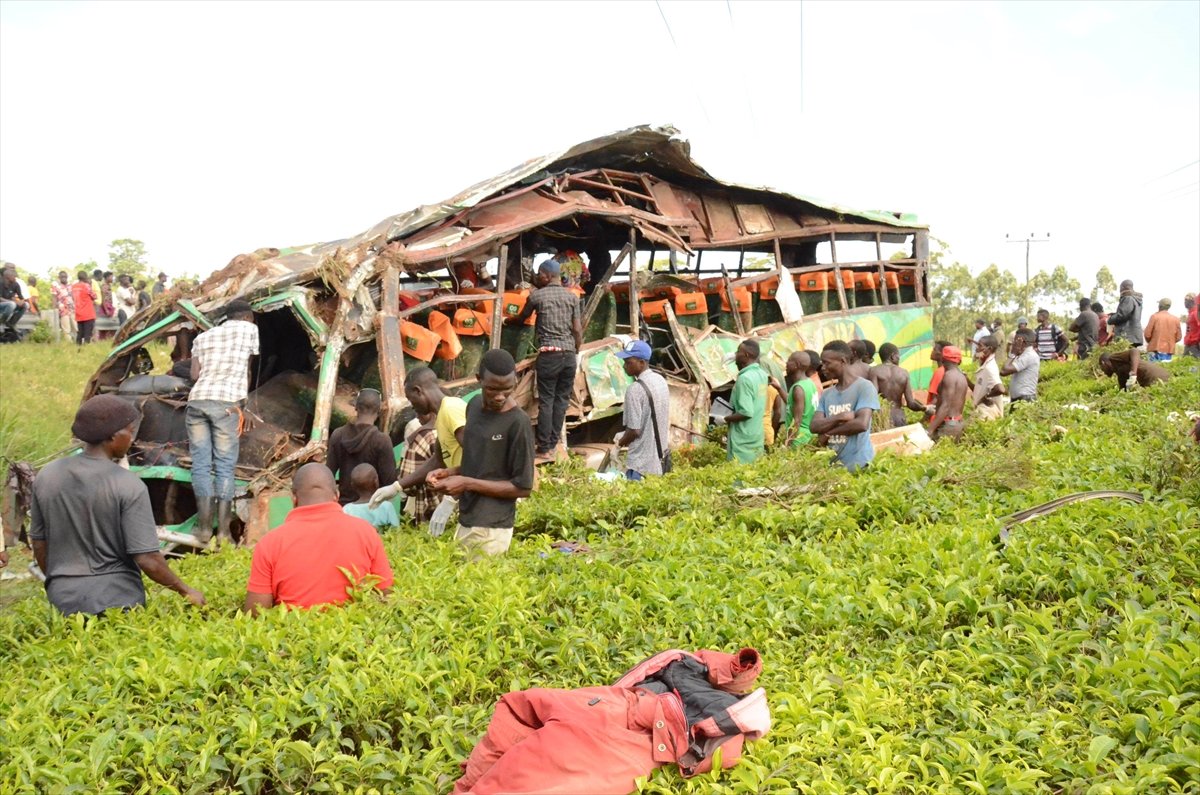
654,149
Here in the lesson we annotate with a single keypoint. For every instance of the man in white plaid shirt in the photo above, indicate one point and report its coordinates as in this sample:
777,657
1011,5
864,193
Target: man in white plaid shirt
221,370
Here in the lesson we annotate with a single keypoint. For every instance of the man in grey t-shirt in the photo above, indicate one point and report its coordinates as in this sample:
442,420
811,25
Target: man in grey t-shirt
92,528
1024,367
641,436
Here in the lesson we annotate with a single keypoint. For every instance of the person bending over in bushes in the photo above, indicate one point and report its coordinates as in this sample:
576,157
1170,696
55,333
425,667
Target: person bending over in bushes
92,527
843,413
1129,364
365,481
497,461
306,560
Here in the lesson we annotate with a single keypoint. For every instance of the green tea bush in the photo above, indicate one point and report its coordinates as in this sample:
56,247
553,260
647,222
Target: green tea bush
906,649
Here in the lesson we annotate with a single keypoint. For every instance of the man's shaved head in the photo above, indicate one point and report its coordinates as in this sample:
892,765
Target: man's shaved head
312,484
420,376
364,479
423,390
797,363
368,401
887,351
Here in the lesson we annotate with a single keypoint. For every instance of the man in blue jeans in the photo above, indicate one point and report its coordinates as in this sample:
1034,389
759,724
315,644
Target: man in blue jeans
559,331
221,371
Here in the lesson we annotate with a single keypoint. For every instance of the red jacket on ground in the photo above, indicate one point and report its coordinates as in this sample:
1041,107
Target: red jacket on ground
600,740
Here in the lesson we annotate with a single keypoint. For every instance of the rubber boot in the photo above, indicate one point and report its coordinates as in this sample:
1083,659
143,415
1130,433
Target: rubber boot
204,519
224,518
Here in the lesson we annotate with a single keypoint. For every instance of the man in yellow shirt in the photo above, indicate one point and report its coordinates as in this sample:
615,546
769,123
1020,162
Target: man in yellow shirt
424,392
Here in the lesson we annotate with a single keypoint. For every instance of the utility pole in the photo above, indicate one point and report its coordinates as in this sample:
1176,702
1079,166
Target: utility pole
1027,241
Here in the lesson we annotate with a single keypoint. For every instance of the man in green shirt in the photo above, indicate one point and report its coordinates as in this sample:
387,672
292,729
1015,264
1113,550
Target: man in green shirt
749,400
802,397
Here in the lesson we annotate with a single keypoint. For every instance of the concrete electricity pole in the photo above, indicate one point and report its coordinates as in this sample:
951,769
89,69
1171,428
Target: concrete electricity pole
1031,239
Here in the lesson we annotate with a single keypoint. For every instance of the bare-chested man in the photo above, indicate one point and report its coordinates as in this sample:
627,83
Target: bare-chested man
952,395
894,383
858,359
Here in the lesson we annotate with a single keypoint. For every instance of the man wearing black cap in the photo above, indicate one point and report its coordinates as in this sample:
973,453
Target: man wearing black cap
92,527
559,331
221,372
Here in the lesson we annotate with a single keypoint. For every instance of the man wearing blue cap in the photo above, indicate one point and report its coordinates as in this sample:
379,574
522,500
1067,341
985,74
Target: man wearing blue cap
559,332
647,415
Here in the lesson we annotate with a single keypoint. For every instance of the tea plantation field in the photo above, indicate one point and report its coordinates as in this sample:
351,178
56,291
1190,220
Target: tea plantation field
906,650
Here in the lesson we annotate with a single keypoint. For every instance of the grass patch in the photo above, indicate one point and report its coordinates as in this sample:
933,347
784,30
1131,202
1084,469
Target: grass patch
42,388
904,649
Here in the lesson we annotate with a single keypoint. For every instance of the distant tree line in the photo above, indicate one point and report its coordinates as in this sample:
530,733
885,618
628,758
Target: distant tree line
960,296
125,256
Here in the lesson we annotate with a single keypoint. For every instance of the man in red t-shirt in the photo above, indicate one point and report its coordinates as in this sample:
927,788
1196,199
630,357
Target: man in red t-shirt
299,563
1191,340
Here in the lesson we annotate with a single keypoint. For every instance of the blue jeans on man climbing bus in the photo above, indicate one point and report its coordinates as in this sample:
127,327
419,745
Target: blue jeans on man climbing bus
212,428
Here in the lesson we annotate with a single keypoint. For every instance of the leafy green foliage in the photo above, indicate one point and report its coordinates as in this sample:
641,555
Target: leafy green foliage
127,257
905,650
959,295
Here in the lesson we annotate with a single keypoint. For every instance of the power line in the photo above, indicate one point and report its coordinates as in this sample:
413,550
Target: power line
1179,188
801,57
1031,239
663,14
1181,195
742,70
675,44
1169,173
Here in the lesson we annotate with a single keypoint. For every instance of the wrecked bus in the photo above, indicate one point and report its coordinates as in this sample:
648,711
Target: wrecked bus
655,246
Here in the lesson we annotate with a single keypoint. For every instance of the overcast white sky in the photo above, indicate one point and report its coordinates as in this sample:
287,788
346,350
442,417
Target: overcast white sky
209,129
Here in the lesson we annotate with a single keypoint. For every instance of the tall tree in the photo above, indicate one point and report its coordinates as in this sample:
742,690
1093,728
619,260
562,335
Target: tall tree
1105,290
959,296
126,256
1056,292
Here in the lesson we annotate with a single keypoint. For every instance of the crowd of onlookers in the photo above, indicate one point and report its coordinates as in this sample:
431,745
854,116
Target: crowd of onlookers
74,306
93,529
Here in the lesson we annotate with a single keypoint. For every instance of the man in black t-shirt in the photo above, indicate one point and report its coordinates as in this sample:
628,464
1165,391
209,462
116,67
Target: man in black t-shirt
497,463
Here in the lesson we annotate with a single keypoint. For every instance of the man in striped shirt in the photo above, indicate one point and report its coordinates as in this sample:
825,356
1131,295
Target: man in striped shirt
1050,338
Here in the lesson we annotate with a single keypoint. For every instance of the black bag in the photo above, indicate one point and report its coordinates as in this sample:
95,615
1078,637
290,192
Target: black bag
664,458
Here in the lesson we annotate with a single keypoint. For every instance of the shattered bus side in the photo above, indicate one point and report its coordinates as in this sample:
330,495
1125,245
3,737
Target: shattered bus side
655,246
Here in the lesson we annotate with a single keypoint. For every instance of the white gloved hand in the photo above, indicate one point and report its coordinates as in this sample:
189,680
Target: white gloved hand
617,438
441,516
717,419
383,494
